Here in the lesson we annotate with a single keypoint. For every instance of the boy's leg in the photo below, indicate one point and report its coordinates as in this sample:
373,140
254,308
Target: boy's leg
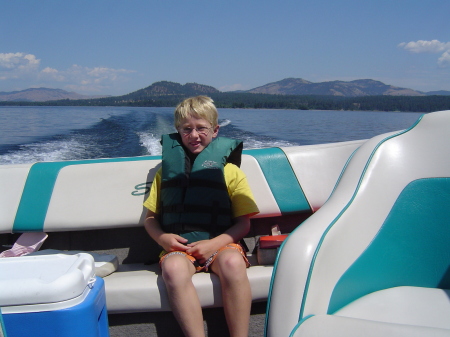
177,272
231,268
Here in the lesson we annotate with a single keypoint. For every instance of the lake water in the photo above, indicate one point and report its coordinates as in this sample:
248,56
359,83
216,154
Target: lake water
30,134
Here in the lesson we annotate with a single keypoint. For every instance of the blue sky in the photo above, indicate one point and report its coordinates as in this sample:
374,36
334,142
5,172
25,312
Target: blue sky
116,47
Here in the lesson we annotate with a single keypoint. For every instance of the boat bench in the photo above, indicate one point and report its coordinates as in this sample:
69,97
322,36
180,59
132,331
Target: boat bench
96,206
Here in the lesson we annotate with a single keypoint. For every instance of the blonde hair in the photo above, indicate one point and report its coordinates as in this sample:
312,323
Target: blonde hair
198,107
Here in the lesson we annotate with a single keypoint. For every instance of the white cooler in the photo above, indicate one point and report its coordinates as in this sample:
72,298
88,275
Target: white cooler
52,296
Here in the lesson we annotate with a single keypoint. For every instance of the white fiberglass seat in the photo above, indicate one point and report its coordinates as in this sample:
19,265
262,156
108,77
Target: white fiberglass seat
375,259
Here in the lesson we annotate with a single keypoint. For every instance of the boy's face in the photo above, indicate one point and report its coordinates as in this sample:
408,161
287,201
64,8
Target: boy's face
196,133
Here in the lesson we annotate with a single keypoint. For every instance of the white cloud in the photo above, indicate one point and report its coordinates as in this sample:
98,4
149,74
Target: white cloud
433,46
32,61
49,70
444,60
421,46
12,65
26,68
51,74
94,79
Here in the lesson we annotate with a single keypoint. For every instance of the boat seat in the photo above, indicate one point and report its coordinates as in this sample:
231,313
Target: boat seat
375,258
428,307
94,201
139,288
332,325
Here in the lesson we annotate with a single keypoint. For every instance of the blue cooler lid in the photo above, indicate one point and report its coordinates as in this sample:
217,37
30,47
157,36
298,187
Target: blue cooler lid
31,280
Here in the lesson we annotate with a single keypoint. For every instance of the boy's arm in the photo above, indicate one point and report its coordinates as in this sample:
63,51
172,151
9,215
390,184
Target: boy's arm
168,241
236,232
202,250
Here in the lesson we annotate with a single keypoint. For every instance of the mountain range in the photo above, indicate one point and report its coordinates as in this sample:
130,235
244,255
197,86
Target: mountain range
299,86
41,95
166,88
288,86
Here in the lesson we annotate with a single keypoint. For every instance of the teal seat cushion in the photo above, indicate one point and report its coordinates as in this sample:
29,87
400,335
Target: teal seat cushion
400,256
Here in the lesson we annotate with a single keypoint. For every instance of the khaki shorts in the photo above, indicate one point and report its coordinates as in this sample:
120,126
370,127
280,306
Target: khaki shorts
205,266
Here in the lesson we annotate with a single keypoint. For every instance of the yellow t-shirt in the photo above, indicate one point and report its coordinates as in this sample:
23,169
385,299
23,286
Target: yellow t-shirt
241,196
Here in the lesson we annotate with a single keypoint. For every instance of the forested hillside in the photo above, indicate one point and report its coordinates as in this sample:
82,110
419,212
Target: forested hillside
169,94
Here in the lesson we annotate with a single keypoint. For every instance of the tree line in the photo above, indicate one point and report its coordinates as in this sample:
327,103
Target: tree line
266,101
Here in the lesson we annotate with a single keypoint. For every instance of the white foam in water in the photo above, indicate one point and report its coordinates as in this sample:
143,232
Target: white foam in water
44,152
224,123
251,141
258,144
84,148
150,142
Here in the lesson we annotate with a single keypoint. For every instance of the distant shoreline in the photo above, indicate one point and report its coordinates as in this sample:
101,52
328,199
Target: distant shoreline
267,101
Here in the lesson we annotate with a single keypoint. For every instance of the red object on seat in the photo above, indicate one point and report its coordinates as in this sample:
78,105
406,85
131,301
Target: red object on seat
271,241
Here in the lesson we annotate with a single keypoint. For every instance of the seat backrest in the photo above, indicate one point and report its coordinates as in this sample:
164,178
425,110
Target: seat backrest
318,167
386,224
108,193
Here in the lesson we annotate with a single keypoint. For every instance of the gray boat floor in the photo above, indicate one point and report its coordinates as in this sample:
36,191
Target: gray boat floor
163,324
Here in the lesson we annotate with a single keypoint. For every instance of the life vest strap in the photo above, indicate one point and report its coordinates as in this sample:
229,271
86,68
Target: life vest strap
182,208
192,183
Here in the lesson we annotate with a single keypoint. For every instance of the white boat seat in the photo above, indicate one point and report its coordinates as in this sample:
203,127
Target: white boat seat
336,326
428,307
137,288
378,250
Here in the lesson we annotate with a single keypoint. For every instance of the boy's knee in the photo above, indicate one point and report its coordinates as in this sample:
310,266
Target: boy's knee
231,264
176,268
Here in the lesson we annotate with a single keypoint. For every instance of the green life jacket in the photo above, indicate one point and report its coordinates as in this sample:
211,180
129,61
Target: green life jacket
195,197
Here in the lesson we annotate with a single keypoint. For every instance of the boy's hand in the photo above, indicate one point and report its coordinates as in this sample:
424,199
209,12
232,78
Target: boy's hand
172,242
202,250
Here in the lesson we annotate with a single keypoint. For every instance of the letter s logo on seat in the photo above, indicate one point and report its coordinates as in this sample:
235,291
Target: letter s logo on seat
142,189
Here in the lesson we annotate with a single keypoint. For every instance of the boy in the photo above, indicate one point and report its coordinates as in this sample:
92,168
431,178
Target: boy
198,210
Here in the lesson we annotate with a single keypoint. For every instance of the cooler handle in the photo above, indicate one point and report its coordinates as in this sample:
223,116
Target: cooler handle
86,266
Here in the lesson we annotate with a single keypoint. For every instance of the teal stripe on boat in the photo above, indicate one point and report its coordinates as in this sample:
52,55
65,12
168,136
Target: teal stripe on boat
2,325
33,206
281,179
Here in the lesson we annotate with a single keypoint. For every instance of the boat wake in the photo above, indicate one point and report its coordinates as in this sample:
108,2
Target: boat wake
150,143
135,133
45,151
